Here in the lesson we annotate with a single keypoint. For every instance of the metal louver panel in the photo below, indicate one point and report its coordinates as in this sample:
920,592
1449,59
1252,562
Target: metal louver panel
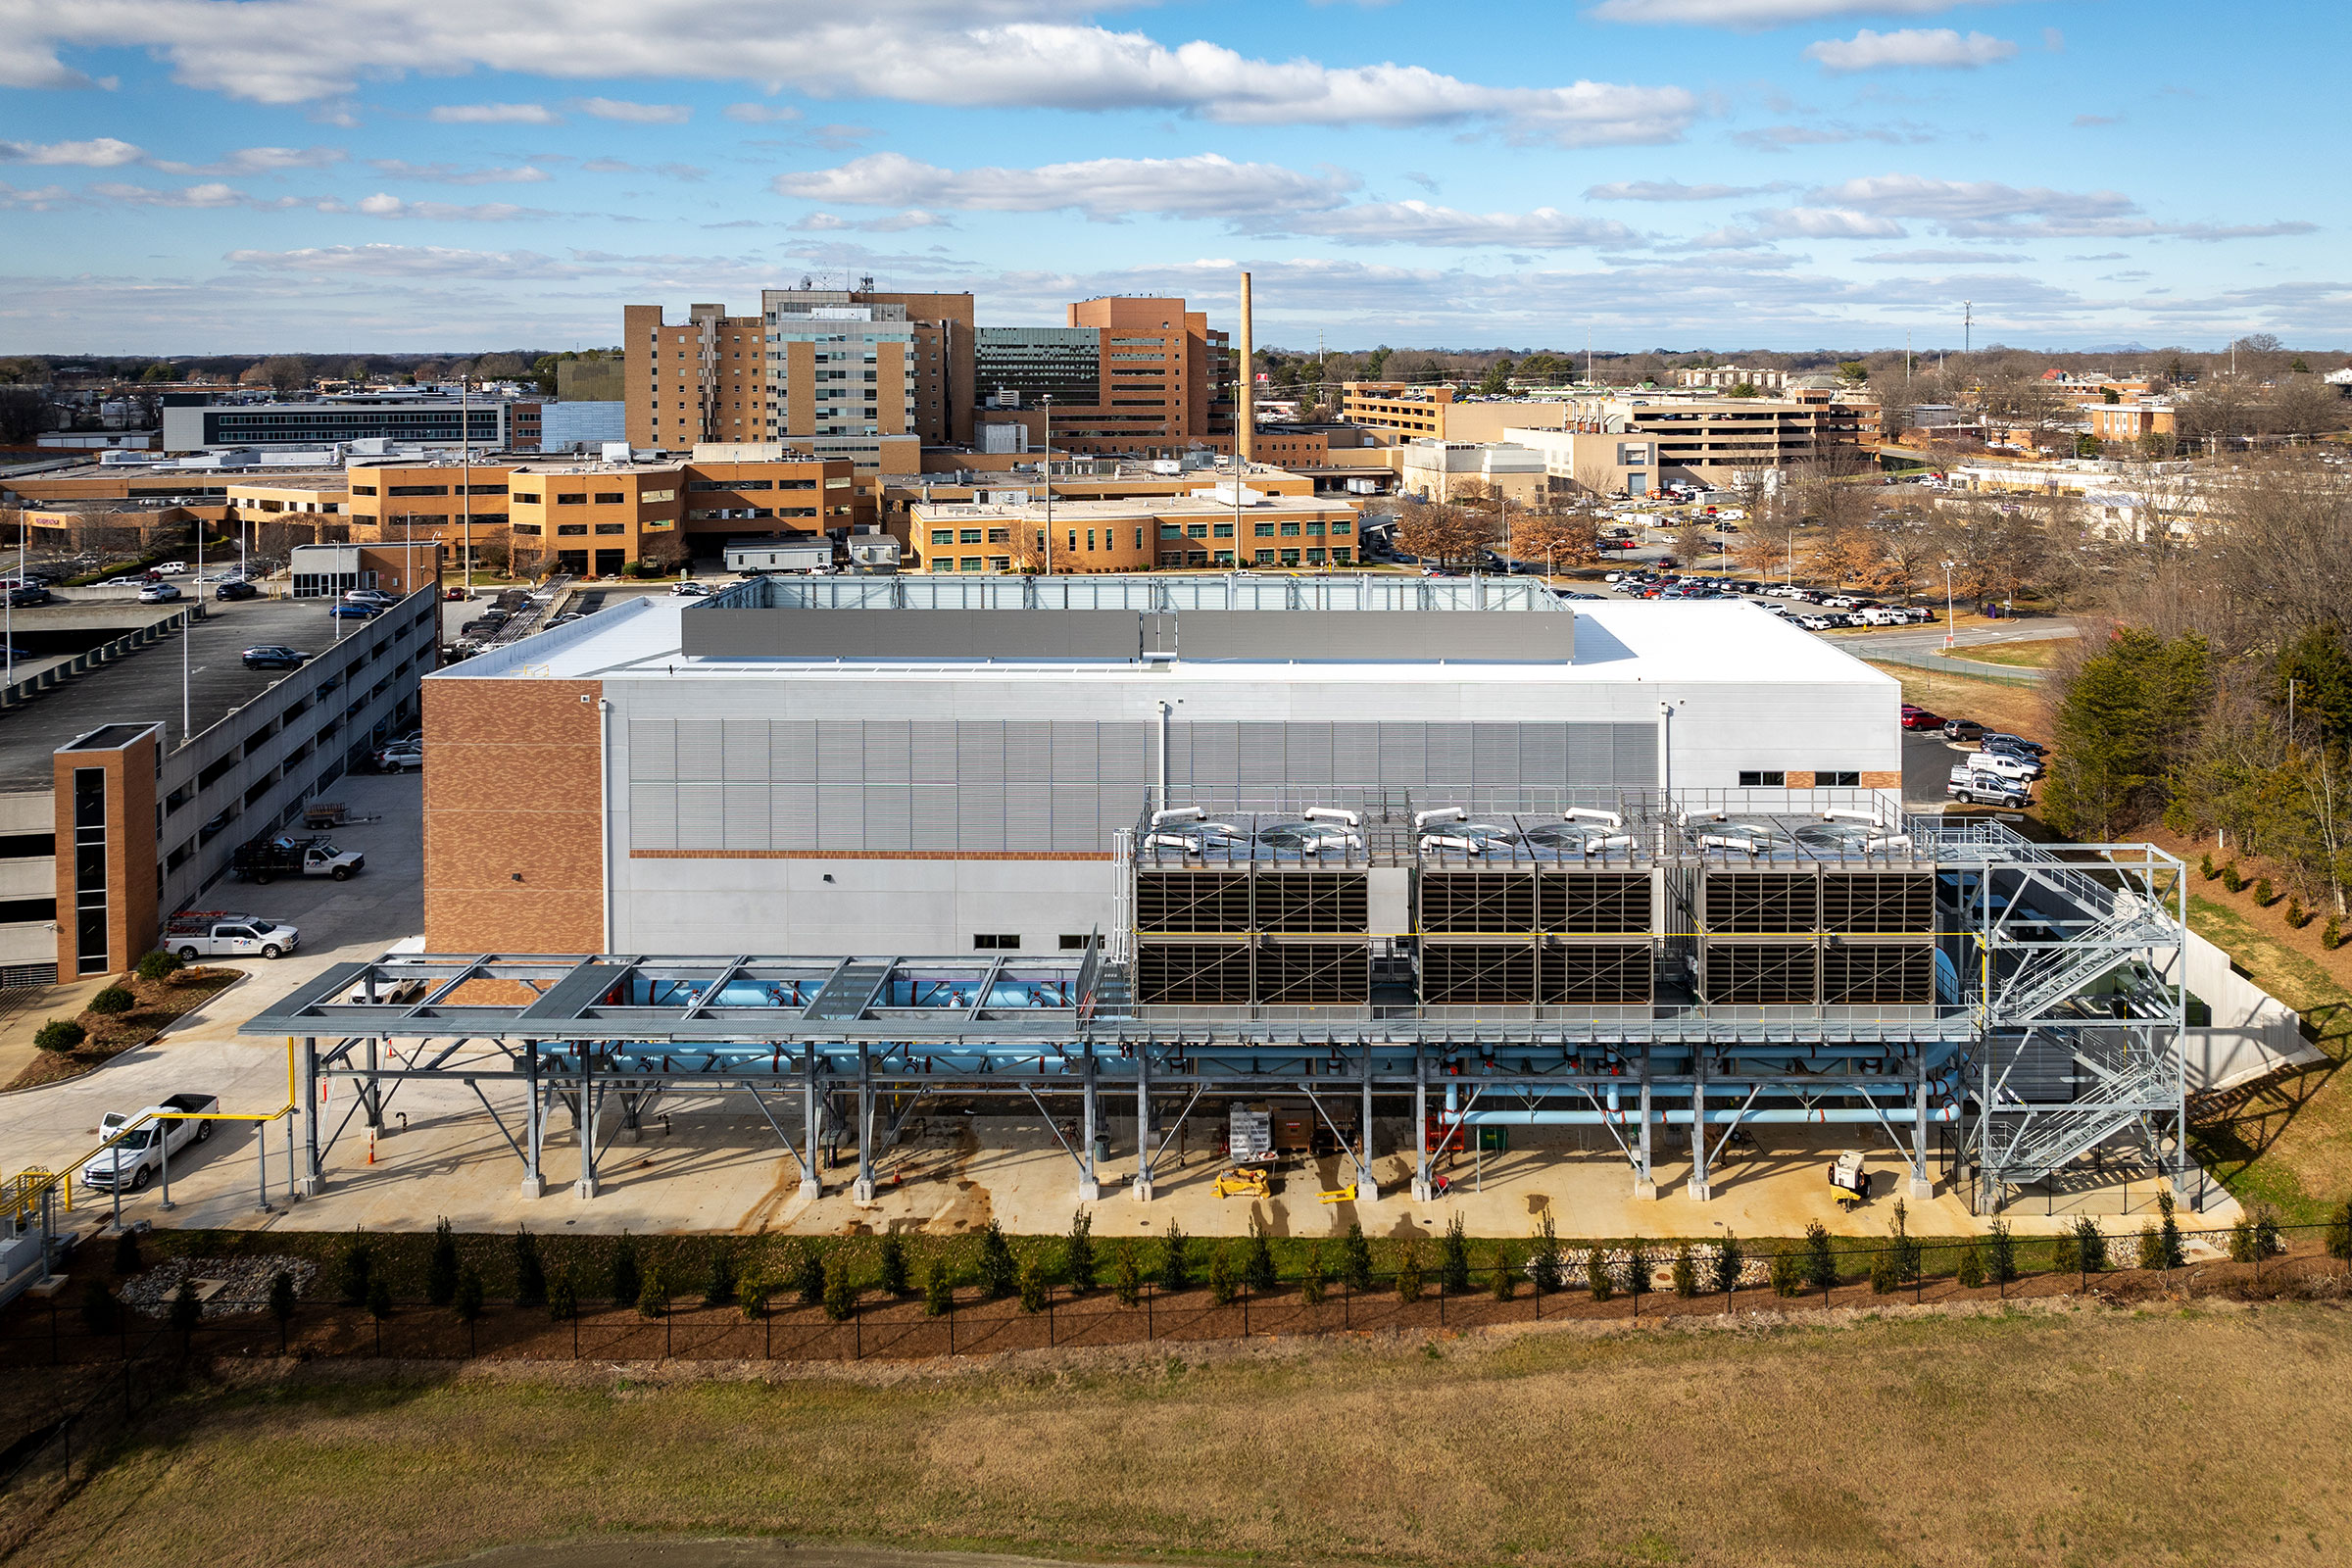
701,759
653,749
702,816
742,746
653,816
747,825
791,750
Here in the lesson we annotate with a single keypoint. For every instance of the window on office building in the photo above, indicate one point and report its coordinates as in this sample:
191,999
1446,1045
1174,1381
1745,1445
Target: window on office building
1763,778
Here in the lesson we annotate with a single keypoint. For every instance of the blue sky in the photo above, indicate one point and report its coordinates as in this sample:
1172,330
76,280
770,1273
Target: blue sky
217,175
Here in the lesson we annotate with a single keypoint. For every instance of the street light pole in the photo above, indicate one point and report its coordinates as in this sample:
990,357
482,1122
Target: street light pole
1049,402
1947,604
464,483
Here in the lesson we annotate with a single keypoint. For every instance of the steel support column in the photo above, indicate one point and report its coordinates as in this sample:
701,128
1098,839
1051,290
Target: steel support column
1702,1188
1645,1181
372,1090
534,1134
1090,1180
812,1185
1423,1187
1143,1122
587,1186
1367,1191
306,1182
1923,1184
863,1190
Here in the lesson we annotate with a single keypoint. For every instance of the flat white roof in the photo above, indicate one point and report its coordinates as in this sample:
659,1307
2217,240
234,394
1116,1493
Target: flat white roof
1616,641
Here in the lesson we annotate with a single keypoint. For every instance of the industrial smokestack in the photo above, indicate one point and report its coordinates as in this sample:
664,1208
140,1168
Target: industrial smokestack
1245,412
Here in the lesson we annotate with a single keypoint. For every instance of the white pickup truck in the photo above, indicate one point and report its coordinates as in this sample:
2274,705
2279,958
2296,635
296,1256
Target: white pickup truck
1969,785
218,934
132,1162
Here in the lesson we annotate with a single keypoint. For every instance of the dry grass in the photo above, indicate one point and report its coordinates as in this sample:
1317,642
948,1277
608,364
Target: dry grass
2035,655
2073,1436
2017,709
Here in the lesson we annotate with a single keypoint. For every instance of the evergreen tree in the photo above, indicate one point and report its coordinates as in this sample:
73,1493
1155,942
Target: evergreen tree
1220,1276
1175,1258
1034,1286
1453,1256
1547,1257
2091,1247
2000,1249
724,1279
1078,1259
356,1269
840,1288
808,1275
1728,1262
530,1274
1126,1275
281,1302
2168,1232
1408,1273
1972,1267
2123,721
100,1310
126,1255
1821,1263
441,1266
1597,1275
467,1300
939,1289
1257,1259
1355,1257
893,1263
1311,1277
999,1272
1685,1272
627,1277
653,1291
188,1311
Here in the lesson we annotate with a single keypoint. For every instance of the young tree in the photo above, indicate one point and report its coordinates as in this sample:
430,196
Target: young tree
1078,1259
2122,721
1000,1273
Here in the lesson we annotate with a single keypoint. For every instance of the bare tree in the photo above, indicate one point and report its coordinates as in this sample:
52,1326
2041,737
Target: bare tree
1556,537
25,413
286,372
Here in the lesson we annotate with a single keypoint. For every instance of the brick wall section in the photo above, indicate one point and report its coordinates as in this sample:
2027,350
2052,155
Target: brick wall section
132,921
512,786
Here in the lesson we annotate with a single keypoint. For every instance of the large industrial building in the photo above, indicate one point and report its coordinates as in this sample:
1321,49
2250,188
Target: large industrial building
1414,855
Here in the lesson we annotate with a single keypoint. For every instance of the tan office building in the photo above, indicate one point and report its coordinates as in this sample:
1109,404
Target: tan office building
596,518
1135,534
1144,377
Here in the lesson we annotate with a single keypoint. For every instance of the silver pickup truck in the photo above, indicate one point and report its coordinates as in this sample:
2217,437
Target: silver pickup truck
133,1160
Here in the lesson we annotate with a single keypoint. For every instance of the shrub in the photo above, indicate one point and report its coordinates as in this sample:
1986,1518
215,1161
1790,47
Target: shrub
628,1280
1126,1275
2297,916
564,1296
1787,1272
1079,1260
1220,1276
1883,1272
1729,1260
2205,867
1453,1258
159,965
2267,1243
653,1291
1597,1275
2090,1248
2332,935
356,1267
1547,1259
999,1271
469,1302
186,1310
1356,1258
1906,1246
1311,1277
441,1267
725,1280
113,1001
841,1289
2230,877
1034,1288
1175,1258
752,1294
126,1255
2000,1254
2339,1233
1686,1272
1821,1263
1408,1273
894,1277
808,1275
530,1274
1972,1267
2066,1254
939,1289
1505,1283
1636,1266
2241,1240
2263,895
60,1035
379,1298
1257,1259
2151,1248
2168,1231
100,1311
281,1298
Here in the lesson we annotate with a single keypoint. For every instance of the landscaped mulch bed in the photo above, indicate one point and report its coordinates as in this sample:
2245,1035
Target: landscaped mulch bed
161,1004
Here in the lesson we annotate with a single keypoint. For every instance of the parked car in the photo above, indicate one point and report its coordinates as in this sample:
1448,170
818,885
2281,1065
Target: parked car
689,590
456,596
266,859
2014,745
348,611
400,758
275,655
27,595
164,1130
370,596
1962,729
236,588
218,934
2004,766
1970,785
1920,719
158,593
172,568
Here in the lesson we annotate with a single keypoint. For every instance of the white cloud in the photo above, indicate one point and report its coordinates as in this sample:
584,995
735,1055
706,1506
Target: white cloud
381,205
207,195
259,161
406,260
633,114
1985,209
44,200
103,153
452,175
1940,48
1756,15
1801,223
494,115
1104,189
1421,224
1939,259
988,53
761,114
1671,190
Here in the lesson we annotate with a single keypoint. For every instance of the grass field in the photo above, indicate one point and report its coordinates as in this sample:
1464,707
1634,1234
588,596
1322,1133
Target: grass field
2039,653
2087,1436
2001,705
